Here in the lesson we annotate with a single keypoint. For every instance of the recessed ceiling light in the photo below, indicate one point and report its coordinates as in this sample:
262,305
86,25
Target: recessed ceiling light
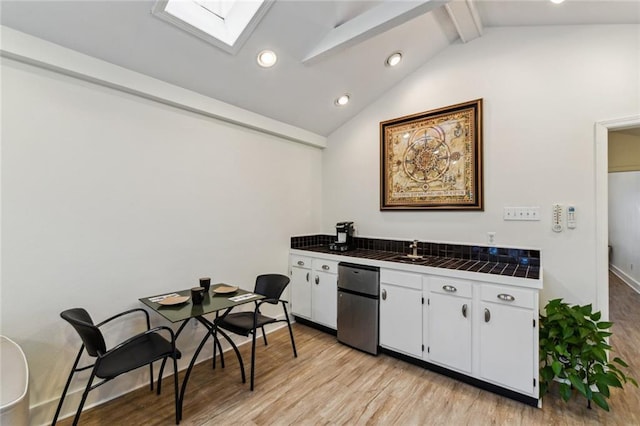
267,58
394,59
557,1
342,100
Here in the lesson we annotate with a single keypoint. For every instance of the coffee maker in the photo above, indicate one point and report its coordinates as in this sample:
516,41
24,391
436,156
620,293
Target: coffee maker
344,237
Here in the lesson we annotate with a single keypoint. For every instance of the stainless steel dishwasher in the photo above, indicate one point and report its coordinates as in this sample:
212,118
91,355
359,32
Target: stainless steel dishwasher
358,294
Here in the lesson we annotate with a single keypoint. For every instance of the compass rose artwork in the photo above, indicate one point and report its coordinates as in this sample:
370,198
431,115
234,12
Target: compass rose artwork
433,160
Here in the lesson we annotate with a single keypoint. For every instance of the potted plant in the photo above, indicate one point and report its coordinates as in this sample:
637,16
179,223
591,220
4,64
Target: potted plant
573,351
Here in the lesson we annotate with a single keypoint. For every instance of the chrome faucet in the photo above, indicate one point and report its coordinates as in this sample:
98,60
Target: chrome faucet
414,247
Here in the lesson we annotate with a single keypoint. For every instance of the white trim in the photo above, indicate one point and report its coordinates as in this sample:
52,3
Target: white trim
40,53
601,136
628,280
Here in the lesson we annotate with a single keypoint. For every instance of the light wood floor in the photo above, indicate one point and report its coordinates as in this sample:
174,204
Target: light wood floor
332,384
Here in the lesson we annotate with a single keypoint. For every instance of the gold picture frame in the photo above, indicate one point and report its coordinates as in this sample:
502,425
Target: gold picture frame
433,160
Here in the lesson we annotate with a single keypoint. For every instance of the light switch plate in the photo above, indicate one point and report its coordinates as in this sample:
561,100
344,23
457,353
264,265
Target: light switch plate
522,213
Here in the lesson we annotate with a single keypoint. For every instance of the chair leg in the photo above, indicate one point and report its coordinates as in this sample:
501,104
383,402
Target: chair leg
151,378
66,387
293,343
175,390
217,345
159,377
215,338
221,354
84,397
264,336
253,356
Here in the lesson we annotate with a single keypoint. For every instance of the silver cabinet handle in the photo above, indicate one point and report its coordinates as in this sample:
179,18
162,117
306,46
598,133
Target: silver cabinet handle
449,288
317,280
300,263
487,315
506,297
384,294
326,267
464,310
307,277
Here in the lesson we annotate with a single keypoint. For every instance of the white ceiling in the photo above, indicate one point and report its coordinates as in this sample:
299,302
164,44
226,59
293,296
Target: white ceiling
297,92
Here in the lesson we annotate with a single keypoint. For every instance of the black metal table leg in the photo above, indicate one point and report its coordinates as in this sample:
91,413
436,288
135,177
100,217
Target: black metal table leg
185,380
235,348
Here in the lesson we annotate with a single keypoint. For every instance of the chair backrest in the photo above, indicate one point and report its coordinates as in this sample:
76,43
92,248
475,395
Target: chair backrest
89,333
271,285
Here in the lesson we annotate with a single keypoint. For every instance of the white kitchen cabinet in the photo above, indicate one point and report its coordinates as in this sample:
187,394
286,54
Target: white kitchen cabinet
301,286
314,289
401,312
448,324
508,337
324,292
472,324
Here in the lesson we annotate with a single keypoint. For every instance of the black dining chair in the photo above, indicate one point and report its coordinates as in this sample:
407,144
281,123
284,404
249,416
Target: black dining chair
248,322
135,352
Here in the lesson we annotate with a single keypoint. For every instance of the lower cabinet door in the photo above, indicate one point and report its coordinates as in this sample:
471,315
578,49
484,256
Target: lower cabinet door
301,292
507,355
449,323
401,319
324,299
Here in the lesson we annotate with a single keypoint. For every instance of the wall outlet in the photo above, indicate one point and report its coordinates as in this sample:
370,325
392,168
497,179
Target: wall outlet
491,237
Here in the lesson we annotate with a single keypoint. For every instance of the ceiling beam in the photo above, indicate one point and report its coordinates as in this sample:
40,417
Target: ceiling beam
465,18
46,55
370,23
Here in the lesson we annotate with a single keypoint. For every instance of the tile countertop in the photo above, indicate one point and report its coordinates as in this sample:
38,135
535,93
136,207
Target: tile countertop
476,270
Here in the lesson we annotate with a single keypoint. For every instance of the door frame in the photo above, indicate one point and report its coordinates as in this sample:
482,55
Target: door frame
601,135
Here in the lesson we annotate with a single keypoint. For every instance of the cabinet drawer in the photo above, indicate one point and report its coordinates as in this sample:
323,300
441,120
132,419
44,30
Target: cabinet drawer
451,286
403,279
511,296
300,261
330,266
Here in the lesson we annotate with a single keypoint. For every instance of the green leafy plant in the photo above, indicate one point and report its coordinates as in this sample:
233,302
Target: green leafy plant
573,349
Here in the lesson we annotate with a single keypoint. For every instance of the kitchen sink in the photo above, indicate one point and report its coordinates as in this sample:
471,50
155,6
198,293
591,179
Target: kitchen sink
409,259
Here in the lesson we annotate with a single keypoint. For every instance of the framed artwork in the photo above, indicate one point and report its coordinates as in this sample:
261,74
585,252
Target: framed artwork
433,160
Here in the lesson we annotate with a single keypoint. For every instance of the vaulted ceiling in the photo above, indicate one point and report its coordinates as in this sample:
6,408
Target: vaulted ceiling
325,48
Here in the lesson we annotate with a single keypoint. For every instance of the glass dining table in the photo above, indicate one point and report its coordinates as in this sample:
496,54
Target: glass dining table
213,302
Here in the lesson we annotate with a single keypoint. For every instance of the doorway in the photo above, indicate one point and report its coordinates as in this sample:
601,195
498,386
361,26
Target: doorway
602,214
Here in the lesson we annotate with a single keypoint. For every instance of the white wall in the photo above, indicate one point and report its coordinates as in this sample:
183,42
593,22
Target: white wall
543,90
624,225
107,197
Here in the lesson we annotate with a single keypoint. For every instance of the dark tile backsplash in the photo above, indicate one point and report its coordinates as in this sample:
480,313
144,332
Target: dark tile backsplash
309,241
501,255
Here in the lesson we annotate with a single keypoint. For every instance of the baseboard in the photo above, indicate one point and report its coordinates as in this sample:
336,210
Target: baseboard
317,326
42,413
525,399
634,284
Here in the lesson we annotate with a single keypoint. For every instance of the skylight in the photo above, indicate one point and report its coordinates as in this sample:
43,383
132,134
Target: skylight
220,8
224,23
